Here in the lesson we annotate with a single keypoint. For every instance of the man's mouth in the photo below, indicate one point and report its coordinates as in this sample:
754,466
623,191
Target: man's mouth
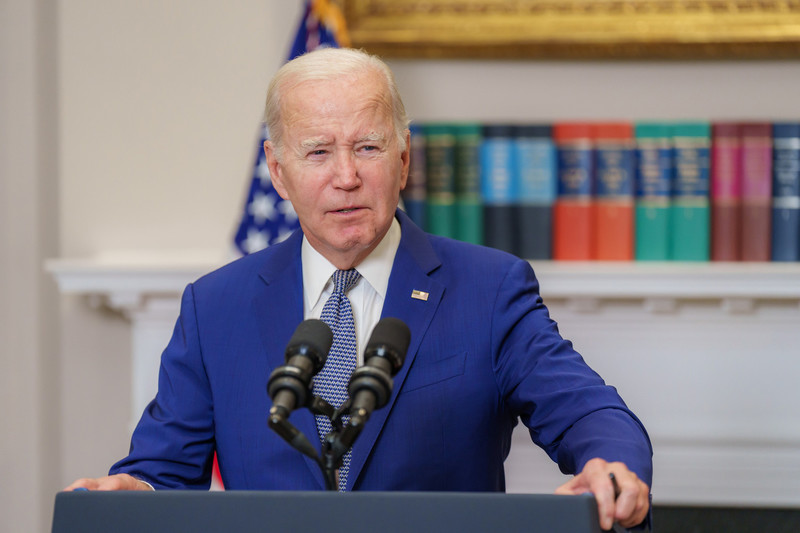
346,210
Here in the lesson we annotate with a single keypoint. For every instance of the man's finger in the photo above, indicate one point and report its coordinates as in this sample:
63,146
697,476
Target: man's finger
83,483
571,487
603,491
640,507
115,482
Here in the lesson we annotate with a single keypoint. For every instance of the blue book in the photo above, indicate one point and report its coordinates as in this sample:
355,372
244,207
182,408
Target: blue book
537,169
786,192
499,187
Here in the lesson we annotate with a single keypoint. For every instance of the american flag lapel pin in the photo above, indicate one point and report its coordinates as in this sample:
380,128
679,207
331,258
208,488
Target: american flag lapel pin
419,295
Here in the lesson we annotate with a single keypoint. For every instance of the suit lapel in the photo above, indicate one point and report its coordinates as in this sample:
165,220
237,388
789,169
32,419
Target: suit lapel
414,261
279,308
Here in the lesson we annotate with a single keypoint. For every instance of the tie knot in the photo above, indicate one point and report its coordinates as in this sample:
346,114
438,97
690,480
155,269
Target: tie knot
343,280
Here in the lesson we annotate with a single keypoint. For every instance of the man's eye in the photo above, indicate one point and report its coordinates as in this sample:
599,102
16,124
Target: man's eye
317,152
369,148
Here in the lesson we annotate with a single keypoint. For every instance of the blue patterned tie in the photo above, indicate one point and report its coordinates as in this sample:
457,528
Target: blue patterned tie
331,382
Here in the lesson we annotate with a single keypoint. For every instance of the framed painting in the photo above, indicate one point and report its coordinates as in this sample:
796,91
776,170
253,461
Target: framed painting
576,29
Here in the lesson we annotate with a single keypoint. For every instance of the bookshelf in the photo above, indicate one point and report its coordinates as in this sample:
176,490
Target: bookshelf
705,353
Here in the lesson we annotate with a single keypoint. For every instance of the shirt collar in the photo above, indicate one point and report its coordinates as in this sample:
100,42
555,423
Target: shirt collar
375,268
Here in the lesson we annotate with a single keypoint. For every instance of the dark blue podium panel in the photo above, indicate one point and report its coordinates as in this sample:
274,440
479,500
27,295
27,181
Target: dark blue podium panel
355,512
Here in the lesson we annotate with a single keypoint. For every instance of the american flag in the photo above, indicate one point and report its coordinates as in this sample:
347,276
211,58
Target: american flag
267,218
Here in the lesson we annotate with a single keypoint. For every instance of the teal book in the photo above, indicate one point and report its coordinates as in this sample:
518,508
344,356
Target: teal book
469,205
536,165
415,193
654,174
499,187
440,155
690,213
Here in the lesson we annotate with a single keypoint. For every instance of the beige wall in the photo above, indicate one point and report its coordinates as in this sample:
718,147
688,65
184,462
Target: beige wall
515,90
29,383
143,138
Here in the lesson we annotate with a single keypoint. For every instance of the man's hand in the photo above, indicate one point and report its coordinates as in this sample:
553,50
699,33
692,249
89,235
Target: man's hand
628,509
115,482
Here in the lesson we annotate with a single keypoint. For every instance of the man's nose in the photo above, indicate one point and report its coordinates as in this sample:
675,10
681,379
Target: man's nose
346,171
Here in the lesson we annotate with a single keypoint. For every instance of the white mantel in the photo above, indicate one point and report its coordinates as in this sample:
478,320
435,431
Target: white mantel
708,355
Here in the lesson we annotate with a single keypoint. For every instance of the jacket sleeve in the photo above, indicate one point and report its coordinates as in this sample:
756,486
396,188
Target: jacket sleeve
569,410
173,444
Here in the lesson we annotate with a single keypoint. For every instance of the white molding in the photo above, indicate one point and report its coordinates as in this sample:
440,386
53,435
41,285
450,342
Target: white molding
126,272
774,281
124,277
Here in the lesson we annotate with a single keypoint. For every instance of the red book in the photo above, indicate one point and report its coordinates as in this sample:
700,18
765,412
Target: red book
756,191
613,200
726,192
572,210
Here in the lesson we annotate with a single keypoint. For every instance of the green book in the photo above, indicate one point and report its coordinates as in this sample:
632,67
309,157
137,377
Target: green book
690,212
415,193
469,206
653,185
440,154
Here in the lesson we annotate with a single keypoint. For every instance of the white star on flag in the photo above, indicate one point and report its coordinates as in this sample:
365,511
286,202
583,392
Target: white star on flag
263,207
256,240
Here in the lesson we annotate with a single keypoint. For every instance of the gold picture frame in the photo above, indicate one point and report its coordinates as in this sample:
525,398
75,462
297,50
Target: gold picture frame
576,29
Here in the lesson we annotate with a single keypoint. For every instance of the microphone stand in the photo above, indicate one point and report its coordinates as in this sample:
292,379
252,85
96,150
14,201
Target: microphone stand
336,443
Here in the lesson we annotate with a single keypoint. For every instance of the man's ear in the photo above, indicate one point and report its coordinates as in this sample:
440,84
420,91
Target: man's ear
275,169
405,157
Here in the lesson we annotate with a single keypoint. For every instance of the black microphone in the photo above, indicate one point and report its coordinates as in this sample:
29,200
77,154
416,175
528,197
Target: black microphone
371,384
289,385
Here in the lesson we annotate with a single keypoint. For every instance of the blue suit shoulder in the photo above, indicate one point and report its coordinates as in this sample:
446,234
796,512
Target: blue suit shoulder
249,267
481,260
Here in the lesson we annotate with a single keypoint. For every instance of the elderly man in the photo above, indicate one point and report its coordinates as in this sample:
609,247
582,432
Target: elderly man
484,352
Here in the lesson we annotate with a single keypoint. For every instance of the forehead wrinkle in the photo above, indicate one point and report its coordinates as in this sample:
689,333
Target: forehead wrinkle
377,103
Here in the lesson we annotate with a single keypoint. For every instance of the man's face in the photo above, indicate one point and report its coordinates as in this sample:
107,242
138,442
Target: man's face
342,166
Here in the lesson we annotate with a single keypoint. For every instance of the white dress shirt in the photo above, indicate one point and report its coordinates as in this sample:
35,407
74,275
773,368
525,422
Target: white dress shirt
368,294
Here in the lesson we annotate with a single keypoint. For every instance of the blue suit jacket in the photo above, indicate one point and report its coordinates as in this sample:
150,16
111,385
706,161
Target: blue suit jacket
484,353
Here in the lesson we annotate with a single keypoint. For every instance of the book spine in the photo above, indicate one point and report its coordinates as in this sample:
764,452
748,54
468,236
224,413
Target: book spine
414,195
756,192
499,187
536,164
690,214
654,176
726,192
614,178
469,205
786,192
441,179
572,211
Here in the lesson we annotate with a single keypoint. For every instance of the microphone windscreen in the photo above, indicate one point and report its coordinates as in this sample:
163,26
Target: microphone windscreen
391,334
313,336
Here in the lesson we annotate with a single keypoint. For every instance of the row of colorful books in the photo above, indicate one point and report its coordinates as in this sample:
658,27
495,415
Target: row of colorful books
618,191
